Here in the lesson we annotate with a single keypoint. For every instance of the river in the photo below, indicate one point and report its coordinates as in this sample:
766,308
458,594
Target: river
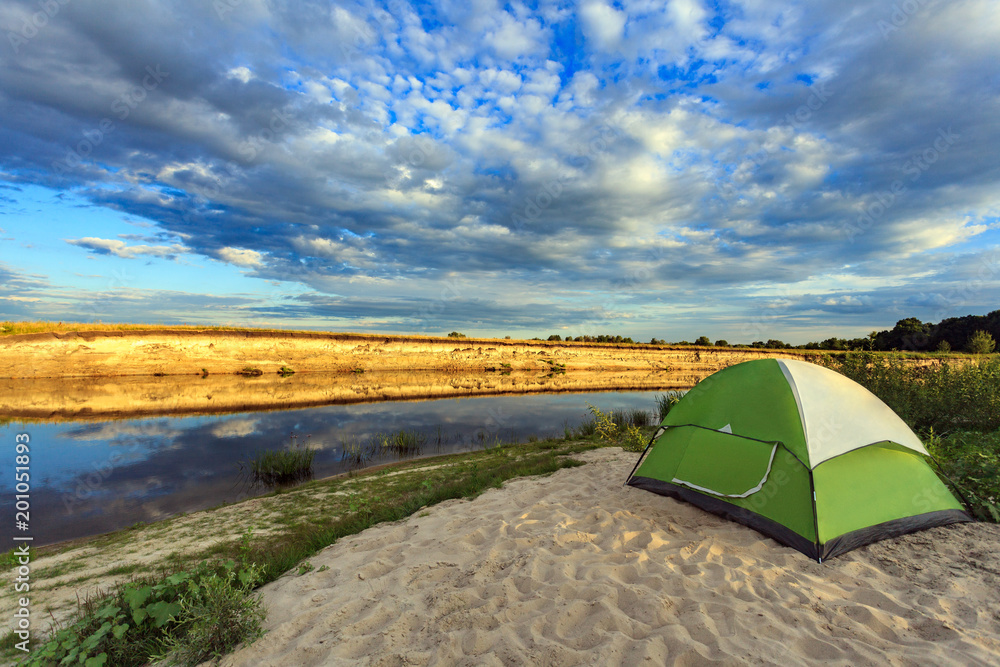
90,477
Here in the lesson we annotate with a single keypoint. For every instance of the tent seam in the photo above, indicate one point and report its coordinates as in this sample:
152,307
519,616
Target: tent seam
798,406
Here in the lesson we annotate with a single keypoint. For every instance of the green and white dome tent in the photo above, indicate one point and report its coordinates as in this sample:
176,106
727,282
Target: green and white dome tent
800,453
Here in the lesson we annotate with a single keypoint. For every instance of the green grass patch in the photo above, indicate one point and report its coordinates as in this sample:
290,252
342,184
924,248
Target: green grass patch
129,568
406,442
281,466
970,462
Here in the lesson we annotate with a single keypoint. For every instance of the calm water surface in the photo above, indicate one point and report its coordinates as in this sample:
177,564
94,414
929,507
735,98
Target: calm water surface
89,478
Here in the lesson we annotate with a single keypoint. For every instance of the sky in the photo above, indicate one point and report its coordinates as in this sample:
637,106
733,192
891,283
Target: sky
741,170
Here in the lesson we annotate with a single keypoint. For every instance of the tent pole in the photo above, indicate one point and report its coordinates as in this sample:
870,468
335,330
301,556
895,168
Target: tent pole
651,441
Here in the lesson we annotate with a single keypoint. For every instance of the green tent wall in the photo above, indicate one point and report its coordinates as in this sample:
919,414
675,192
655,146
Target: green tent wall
800,453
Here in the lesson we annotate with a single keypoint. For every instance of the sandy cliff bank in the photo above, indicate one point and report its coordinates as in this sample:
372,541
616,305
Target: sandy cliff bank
114,374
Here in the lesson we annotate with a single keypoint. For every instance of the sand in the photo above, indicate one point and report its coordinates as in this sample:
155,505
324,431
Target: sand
575,569
170,352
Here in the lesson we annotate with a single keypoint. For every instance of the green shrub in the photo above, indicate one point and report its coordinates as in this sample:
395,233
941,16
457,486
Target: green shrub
218,612
981,342
622,432
186,617
971,462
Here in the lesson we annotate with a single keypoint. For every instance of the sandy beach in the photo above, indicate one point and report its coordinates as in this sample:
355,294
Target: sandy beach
575,569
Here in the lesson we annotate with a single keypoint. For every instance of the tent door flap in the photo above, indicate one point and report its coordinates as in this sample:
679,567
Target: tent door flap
725,466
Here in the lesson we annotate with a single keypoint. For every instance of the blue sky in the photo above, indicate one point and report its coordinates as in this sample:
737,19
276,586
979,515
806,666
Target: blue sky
742,170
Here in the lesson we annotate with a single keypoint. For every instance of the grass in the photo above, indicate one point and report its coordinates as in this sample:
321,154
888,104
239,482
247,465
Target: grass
402,443
665,402
970,462
281,466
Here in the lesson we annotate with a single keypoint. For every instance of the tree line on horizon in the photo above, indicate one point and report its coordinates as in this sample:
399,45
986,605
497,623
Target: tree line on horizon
972,333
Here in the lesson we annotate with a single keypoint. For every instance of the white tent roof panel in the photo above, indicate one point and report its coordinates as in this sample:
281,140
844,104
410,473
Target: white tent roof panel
838,415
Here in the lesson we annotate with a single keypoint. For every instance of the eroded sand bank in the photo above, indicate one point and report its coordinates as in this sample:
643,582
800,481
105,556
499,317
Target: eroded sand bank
118,374
573,569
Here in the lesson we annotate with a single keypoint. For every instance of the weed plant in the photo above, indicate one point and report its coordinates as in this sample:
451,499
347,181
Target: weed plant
184,618
402,443
276,467
666,402
970,462
620,427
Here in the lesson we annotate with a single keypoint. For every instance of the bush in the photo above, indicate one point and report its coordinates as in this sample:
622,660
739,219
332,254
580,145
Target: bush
623,431
980,343
219,614
455,334
187,617
703,340
722,342
971,463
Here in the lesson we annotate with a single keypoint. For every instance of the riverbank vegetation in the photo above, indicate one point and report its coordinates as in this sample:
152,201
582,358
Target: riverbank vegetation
276,467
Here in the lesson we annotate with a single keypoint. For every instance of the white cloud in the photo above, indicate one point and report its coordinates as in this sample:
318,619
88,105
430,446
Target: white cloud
240,74
235,428
602,24
513,38
125,251
244,257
